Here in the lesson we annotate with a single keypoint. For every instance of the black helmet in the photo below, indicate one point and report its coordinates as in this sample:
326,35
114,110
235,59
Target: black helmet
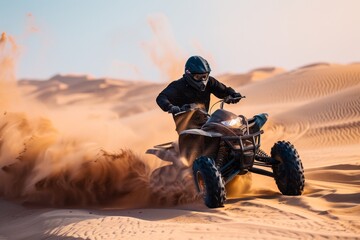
197,64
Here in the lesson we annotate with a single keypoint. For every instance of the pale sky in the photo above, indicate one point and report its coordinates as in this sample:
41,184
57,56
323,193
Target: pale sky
151,39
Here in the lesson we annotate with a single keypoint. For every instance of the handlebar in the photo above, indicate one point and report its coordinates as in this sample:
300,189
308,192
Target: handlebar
227,100
188,107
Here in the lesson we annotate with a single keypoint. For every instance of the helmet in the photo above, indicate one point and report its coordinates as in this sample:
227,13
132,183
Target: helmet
197,64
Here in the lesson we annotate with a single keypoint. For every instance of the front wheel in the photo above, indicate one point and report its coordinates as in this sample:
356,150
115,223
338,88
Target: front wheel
209,182
289,172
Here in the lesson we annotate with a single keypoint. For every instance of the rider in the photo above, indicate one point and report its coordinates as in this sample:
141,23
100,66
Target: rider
195,86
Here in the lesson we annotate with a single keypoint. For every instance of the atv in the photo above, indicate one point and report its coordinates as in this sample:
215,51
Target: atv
221,145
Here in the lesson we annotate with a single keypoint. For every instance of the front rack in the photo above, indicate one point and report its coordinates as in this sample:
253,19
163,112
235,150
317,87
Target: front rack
243,146
237,142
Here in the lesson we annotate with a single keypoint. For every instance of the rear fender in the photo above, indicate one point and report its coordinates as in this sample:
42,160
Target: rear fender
169,155
167,152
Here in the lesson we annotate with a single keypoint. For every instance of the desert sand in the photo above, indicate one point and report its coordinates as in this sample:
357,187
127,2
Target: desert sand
73,162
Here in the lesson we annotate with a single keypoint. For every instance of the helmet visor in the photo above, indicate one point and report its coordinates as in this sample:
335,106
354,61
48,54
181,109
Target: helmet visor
200,77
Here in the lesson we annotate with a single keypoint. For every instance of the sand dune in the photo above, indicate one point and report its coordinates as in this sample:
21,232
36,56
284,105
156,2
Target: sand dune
238,80
331,120
127,97
78,169
304,84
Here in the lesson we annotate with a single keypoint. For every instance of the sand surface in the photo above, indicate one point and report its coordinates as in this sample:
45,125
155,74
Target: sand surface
73,162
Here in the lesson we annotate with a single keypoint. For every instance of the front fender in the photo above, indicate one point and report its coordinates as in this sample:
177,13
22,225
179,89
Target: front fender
194,143
200,132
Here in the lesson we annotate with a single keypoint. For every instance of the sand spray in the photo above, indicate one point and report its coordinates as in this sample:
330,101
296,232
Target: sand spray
41,163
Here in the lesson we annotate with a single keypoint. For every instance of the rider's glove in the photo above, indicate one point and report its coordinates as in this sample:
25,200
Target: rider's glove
186,107
233,98
174,110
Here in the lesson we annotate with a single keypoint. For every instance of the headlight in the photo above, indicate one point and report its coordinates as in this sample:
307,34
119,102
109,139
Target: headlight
234,123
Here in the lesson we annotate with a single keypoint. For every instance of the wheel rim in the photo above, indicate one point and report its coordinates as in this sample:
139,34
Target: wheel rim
201,183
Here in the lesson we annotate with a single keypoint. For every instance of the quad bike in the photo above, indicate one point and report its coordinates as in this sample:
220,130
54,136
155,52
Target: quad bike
222,145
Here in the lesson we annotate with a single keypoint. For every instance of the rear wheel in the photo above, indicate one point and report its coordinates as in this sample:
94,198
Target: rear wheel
209,182
289,172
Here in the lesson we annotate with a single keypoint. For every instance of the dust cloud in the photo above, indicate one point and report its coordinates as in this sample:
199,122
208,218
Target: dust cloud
163,49
8,55
42,163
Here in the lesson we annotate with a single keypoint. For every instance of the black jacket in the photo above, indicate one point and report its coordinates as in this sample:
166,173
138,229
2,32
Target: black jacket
179,92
